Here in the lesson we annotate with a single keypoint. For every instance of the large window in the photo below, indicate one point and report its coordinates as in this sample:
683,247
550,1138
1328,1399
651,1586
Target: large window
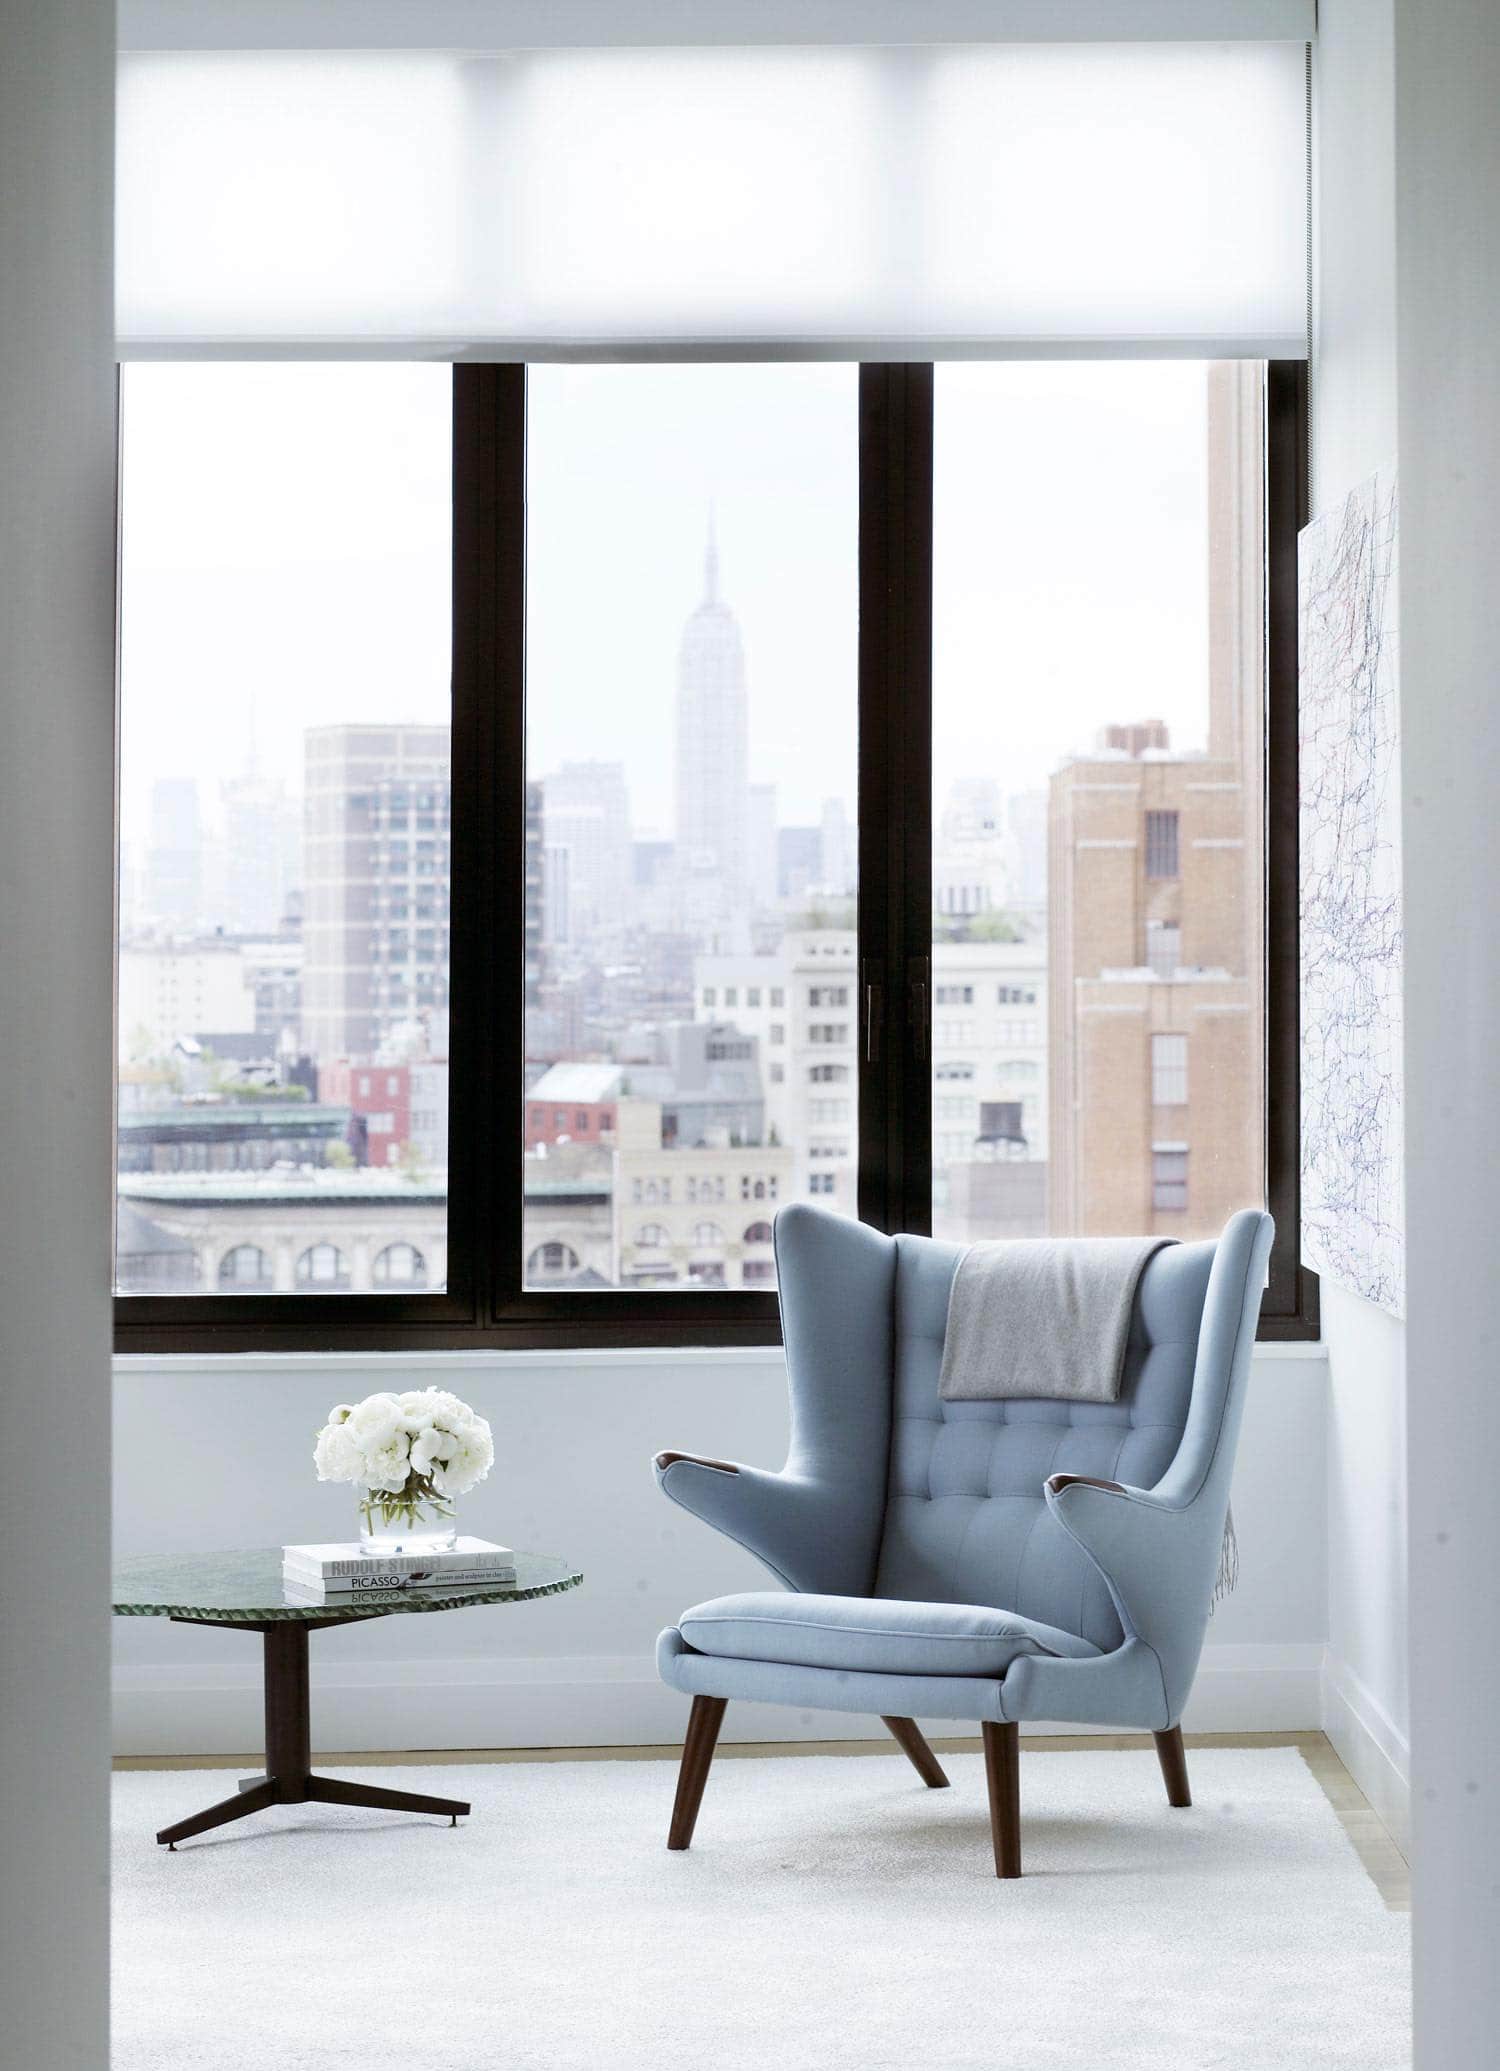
692,653
850,782
285,804
1099,705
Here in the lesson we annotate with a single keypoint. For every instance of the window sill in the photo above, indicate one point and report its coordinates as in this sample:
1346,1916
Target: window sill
610,1358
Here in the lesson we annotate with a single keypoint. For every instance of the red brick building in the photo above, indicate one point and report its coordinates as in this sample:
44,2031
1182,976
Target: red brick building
379,1096
573,1103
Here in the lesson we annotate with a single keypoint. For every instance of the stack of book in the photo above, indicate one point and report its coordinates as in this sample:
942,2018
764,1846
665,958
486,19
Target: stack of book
335,1574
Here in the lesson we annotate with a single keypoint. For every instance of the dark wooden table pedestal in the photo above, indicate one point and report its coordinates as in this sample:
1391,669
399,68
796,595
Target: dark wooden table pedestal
289,1778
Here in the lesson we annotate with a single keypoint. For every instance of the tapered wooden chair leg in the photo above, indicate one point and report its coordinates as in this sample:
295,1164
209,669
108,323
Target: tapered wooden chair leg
907,1735
704,1722
1172,1755
1002,1773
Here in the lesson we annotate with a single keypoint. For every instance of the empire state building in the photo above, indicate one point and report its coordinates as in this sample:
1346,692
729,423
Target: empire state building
713,769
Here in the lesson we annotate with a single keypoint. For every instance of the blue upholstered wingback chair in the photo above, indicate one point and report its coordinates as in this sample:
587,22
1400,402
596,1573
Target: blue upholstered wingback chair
996,1561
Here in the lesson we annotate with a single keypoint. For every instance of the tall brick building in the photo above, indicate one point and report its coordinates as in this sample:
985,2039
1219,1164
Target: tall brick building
1155,901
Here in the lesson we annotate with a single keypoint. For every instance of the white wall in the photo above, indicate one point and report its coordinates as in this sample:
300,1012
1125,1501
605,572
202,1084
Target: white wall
1447,324
1408,315
1354,260
214,1453
1353,394
1366,1707
56,870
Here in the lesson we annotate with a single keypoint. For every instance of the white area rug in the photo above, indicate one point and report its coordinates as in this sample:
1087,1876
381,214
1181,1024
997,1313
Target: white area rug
832,1913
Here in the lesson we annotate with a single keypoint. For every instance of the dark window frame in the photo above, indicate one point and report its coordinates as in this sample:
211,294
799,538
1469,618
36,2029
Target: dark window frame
484,1305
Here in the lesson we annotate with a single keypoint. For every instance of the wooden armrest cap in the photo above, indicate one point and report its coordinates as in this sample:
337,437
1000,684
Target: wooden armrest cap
664,1460
1058,1482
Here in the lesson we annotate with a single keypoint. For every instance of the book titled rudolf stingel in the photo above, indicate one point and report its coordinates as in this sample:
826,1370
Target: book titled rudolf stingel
317,1573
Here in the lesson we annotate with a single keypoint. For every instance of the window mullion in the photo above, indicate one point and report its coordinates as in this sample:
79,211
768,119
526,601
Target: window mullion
489,830
1291,1304
895,794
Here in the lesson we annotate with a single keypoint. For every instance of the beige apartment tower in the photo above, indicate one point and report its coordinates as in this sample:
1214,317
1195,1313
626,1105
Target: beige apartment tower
1156,1039
376,885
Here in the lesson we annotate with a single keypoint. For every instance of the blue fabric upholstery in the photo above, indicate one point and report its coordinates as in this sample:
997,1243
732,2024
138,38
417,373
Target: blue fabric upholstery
965,1515
825,1689
891,1494
870,1632
816,1524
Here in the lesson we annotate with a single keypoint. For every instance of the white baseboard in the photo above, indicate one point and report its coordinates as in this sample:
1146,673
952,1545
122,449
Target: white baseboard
1370,1745
591,1701
1256,1689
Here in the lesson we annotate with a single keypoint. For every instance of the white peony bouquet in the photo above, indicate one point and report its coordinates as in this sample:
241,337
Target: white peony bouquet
412,1454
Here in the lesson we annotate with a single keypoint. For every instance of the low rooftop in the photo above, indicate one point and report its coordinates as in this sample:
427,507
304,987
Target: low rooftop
304,1183
272,1117
579,1084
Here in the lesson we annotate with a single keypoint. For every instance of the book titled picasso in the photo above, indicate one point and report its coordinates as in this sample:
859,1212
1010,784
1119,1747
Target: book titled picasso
318,1573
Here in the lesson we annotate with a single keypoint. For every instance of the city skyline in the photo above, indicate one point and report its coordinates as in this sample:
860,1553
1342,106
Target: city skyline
351,579
692,998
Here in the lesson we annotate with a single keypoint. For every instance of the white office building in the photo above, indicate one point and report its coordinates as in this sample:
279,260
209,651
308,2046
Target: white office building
586,836
989,1051
801,1003
170,989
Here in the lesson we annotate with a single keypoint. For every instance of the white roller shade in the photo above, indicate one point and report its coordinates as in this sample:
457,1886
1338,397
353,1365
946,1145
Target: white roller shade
905,200
475,25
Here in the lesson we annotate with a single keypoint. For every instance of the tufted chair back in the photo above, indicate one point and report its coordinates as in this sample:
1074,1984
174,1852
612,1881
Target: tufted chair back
965,1518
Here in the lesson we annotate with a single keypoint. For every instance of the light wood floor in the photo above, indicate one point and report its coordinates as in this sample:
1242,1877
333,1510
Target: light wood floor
1372,1841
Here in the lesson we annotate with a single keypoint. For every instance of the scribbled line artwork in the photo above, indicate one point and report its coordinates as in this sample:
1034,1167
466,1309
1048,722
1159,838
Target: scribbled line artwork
1352,1214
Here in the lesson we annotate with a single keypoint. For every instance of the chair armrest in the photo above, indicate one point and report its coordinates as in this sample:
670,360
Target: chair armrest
779,1518
1157,1559
1112,1521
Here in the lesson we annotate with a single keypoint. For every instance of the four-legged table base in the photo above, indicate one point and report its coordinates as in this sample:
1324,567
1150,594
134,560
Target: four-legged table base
289,1779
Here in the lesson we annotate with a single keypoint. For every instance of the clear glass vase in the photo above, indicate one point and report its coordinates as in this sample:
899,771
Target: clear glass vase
391,1524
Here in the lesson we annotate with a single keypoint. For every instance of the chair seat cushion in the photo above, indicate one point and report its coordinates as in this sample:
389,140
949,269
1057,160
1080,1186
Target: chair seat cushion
883,1634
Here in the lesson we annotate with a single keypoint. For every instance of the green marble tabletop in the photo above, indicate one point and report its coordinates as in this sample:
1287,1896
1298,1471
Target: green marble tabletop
245,1588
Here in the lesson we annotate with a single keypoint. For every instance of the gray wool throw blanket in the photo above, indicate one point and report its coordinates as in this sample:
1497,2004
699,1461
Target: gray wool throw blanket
1042,1317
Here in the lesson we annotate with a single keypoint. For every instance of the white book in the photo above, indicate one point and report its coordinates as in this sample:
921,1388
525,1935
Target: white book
323,1563
380,1583
376,1575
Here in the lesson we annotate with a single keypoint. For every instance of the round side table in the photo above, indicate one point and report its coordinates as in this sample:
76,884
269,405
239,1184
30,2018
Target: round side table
243,1592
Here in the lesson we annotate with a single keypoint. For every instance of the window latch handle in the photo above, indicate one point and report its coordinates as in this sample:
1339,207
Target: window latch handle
917,970
874,972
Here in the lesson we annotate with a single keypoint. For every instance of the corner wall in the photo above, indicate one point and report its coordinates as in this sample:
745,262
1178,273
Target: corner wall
57,469
1354,431
1447,66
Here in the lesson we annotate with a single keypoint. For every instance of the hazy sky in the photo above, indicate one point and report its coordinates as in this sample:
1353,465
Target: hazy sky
286,544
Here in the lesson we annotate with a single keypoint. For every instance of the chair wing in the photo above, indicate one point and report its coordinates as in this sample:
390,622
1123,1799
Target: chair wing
816,1525
1157,1549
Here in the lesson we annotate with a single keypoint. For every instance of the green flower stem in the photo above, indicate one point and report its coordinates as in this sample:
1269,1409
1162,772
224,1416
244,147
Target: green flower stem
416,1504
